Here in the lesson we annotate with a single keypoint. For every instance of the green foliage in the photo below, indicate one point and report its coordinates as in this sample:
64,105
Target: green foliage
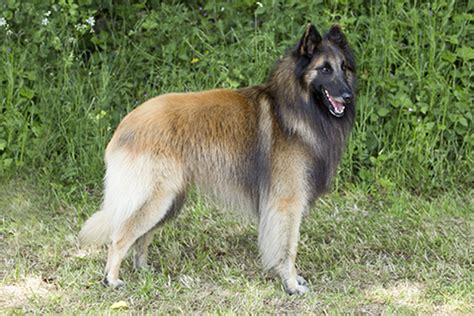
70,70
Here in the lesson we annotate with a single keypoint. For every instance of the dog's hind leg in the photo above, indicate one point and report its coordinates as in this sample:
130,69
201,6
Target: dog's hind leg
134,227
140,250
139,192
141,245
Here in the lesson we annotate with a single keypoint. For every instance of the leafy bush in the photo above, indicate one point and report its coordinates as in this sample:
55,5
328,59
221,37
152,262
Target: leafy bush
70,70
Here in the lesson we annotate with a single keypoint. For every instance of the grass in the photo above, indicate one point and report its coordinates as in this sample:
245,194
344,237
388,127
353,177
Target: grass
390,253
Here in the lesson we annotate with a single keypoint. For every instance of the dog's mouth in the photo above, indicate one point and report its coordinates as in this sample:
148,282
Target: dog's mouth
336,105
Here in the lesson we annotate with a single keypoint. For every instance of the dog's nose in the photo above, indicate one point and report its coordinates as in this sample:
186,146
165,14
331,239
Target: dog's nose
347,96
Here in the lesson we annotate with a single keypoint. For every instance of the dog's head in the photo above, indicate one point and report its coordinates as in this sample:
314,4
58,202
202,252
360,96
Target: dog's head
326,68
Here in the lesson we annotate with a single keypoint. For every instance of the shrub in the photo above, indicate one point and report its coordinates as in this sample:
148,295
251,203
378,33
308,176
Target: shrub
69,70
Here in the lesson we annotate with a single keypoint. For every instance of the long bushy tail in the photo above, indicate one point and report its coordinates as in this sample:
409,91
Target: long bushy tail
96,230
128,184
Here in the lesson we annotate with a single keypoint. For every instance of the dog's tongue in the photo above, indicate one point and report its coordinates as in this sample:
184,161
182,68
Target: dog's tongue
338,106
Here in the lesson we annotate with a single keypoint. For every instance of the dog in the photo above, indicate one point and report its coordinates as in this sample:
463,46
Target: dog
270,150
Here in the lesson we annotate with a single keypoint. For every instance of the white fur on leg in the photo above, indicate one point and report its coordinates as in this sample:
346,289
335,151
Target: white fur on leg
273,238
128,184
132,229
131,179
278,238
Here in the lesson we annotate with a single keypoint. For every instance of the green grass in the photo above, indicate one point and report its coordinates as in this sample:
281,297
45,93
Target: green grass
394,253
395,236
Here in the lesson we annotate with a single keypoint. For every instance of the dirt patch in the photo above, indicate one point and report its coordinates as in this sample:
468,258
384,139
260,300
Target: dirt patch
405,293
411,295
19,294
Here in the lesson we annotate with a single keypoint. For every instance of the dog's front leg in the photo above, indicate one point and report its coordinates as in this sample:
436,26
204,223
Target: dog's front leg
278,239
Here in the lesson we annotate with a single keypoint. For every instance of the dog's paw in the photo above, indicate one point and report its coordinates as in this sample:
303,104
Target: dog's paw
299,287
298,290
143,267
114,284
301,281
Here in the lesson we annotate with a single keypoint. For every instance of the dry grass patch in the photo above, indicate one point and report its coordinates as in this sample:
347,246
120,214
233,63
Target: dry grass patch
23,293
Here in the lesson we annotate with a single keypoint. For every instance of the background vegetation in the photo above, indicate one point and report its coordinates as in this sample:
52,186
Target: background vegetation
67,81
71,69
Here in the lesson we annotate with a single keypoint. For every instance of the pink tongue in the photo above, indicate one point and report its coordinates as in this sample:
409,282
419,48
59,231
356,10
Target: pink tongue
338,106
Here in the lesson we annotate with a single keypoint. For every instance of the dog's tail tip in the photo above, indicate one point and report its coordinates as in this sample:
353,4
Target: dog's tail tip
96,230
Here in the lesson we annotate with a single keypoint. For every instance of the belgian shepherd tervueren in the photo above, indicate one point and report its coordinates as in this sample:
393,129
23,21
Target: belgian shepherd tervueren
270,149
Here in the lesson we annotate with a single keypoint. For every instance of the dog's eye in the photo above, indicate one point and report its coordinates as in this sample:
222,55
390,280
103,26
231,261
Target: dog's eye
344,67
325,69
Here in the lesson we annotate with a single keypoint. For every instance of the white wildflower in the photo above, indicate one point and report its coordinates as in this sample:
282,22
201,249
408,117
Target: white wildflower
45,21
47,13
91,21
3,22
9,32
410,110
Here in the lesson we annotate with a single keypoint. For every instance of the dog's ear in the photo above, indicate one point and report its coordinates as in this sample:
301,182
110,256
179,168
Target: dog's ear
310,41
336,36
